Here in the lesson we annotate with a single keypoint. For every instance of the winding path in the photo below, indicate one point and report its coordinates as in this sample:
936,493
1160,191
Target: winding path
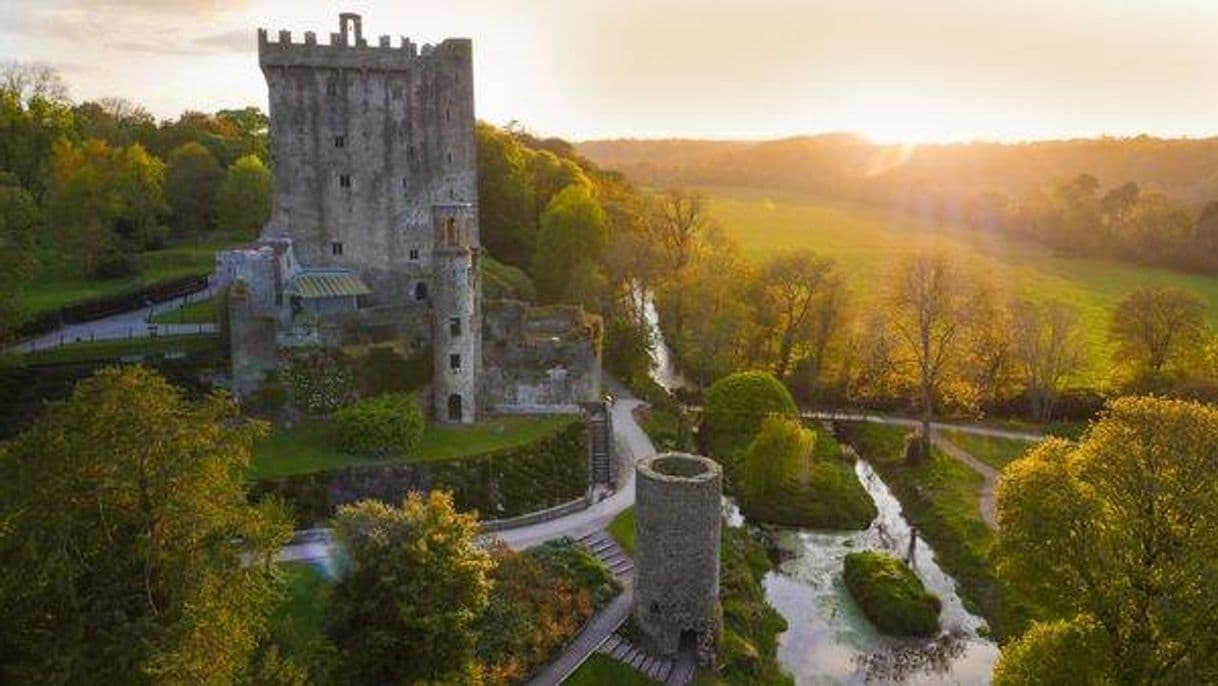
988,503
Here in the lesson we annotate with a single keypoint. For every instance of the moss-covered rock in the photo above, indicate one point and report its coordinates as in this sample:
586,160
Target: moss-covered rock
891,595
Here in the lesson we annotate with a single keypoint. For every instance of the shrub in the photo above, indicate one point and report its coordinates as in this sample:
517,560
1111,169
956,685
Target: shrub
383,370
779,454
381,426
320,379
891,595
735,407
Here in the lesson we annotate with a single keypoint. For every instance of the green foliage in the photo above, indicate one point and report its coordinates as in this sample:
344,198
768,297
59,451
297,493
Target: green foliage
1156,328
1072,652
507,219
416,582
622,530
191,188
1135,497
572,236
735,407
383,370
297,631
20,220
627,350
792,476
941,497
244,197
891,595
380,426
995,451
504,282
321,380
748,649
601,670
539,600
131,555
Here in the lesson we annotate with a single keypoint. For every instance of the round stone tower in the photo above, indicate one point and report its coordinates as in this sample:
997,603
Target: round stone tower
456,320
678,514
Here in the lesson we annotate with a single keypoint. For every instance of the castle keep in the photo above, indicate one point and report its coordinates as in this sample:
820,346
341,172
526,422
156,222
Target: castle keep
374,238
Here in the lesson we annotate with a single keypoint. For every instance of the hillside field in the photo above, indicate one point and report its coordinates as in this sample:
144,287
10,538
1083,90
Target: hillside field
867,243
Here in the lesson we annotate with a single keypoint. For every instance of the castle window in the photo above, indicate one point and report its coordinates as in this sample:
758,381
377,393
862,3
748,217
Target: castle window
454,362
340,141
414,253
454,326
336,248
450,158
448,116
344,180
405,182
420,291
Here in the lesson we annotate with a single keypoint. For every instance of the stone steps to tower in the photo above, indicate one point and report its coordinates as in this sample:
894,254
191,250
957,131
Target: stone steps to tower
664,670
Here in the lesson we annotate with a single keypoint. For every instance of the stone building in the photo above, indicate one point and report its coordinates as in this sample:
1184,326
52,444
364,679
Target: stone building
678,515
373,235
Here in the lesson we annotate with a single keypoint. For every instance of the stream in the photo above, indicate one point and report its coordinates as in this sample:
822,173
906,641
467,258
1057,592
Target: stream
829,641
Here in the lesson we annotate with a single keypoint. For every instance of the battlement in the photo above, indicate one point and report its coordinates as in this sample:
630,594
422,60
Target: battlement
348,48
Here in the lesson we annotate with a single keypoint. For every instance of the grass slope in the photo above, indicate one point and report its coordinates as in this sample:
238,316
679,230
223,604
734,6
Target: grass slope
995,451
205,311
867,242
940,497
622,530
602,670
309,446
891,595
119,348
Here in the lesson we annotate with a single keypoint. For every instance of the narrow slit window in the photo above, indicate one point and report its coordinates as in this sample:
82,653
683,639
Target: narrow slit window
454,361
340,141
344,180
414,253
336,248
454,326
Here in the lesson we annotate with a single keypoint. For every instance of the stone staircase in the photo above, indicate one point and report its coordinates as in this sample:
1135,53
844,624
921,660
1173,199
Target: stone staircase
664,670
600,445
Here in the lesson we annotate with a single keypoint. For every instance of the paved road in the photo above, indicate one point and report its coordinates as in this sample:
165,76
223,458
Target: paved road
1029,436
989,509
131,324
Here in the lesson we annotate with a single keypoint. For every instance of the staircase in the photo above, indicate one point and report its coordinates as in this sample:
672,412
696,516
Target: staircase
664,670
600,445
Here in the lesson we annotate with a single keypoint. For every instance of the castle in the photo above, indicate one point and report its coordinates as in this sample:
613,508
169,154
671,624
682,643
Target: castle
373,236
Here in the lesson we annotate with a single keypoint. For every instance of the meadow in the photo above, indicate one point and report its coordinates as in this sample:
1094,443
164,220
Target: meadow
867,242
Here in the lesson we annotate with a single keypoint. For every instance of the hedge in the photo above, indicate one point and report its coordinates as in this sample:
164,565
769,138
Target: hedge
498,484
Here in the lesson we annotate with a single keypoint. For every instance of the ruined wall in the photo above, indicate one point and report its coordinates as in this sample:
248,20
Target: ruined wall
678,514
252,345
539,359
365,139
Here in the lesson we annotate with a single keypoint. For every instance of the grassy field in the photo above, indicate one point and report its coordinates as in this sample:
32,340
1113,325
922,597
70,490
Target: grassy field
867,242
118,348
992,450
622,530
309,447
941,498
60,281
201,312
601,670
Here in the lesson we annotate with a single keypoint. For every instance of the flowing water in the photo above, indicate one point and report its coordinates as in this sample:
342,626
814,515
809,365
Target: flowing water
829,641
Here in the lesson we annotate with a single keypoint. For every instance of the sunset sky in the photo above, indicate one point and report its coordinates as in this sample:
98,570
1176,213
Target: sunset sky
913,70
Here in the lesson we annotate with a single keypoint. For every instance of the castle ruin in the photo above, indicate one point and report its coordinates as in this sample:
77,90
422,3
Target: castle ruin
678,515
374,236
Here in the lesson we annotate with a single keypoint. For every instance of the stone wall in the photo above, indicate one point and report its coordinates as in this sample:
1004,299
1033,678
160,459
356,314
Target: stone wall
539,359
678,514
252,340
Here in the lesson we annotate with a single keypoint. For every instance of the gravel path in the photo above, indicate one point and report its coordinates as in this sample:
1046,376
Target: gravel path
989,509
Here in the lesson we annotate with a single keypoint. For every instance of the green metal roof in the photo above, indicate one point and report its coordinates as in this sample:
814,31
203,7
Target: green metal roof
326,285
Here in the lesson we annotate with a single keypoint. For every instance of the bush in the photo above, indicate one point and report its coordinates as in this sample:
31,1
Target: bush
381,426
383,370
735,407
891,595
321,380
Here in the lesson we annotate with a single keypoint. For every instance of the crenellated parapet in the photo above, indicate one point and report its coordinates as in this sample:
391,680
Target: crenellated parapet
349,49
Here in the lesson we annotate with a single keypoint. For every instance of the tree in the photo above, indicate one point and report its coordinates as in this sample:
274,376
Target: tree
572,237
1070,652
779,455
678,226
1047,347
931,304
1120,528
20,219
244,197
736,406
508,221
1156,327
791,284
130,553
417,581
34,113
191,187
137,180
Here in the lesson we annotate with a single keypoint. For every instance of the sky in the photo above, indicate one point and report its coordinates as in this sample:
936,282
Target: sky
892,70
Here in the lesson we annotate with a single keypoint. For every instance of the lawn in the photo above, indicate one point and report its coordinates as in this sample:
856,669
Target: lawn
622,530
119,348
866,242
941,498
60,282
995,451
601,670
201,312
309,447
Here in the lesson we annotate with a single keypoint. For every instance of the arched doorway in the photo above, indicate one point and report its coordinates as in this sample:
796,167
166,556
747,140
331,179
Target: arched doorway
420,291
454,407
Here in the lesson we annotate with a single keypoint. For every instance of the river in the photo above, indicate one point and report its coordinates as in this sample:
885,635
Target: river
829,641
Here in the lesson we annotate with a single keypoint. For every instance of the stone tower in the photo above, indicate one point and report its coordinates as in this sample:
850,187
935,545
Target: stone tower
678,514
456,323
365,139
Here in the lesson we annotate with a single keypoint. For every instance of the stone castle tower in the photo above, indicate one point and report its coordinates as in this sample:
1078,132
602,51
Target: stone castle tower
374,161
678,515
